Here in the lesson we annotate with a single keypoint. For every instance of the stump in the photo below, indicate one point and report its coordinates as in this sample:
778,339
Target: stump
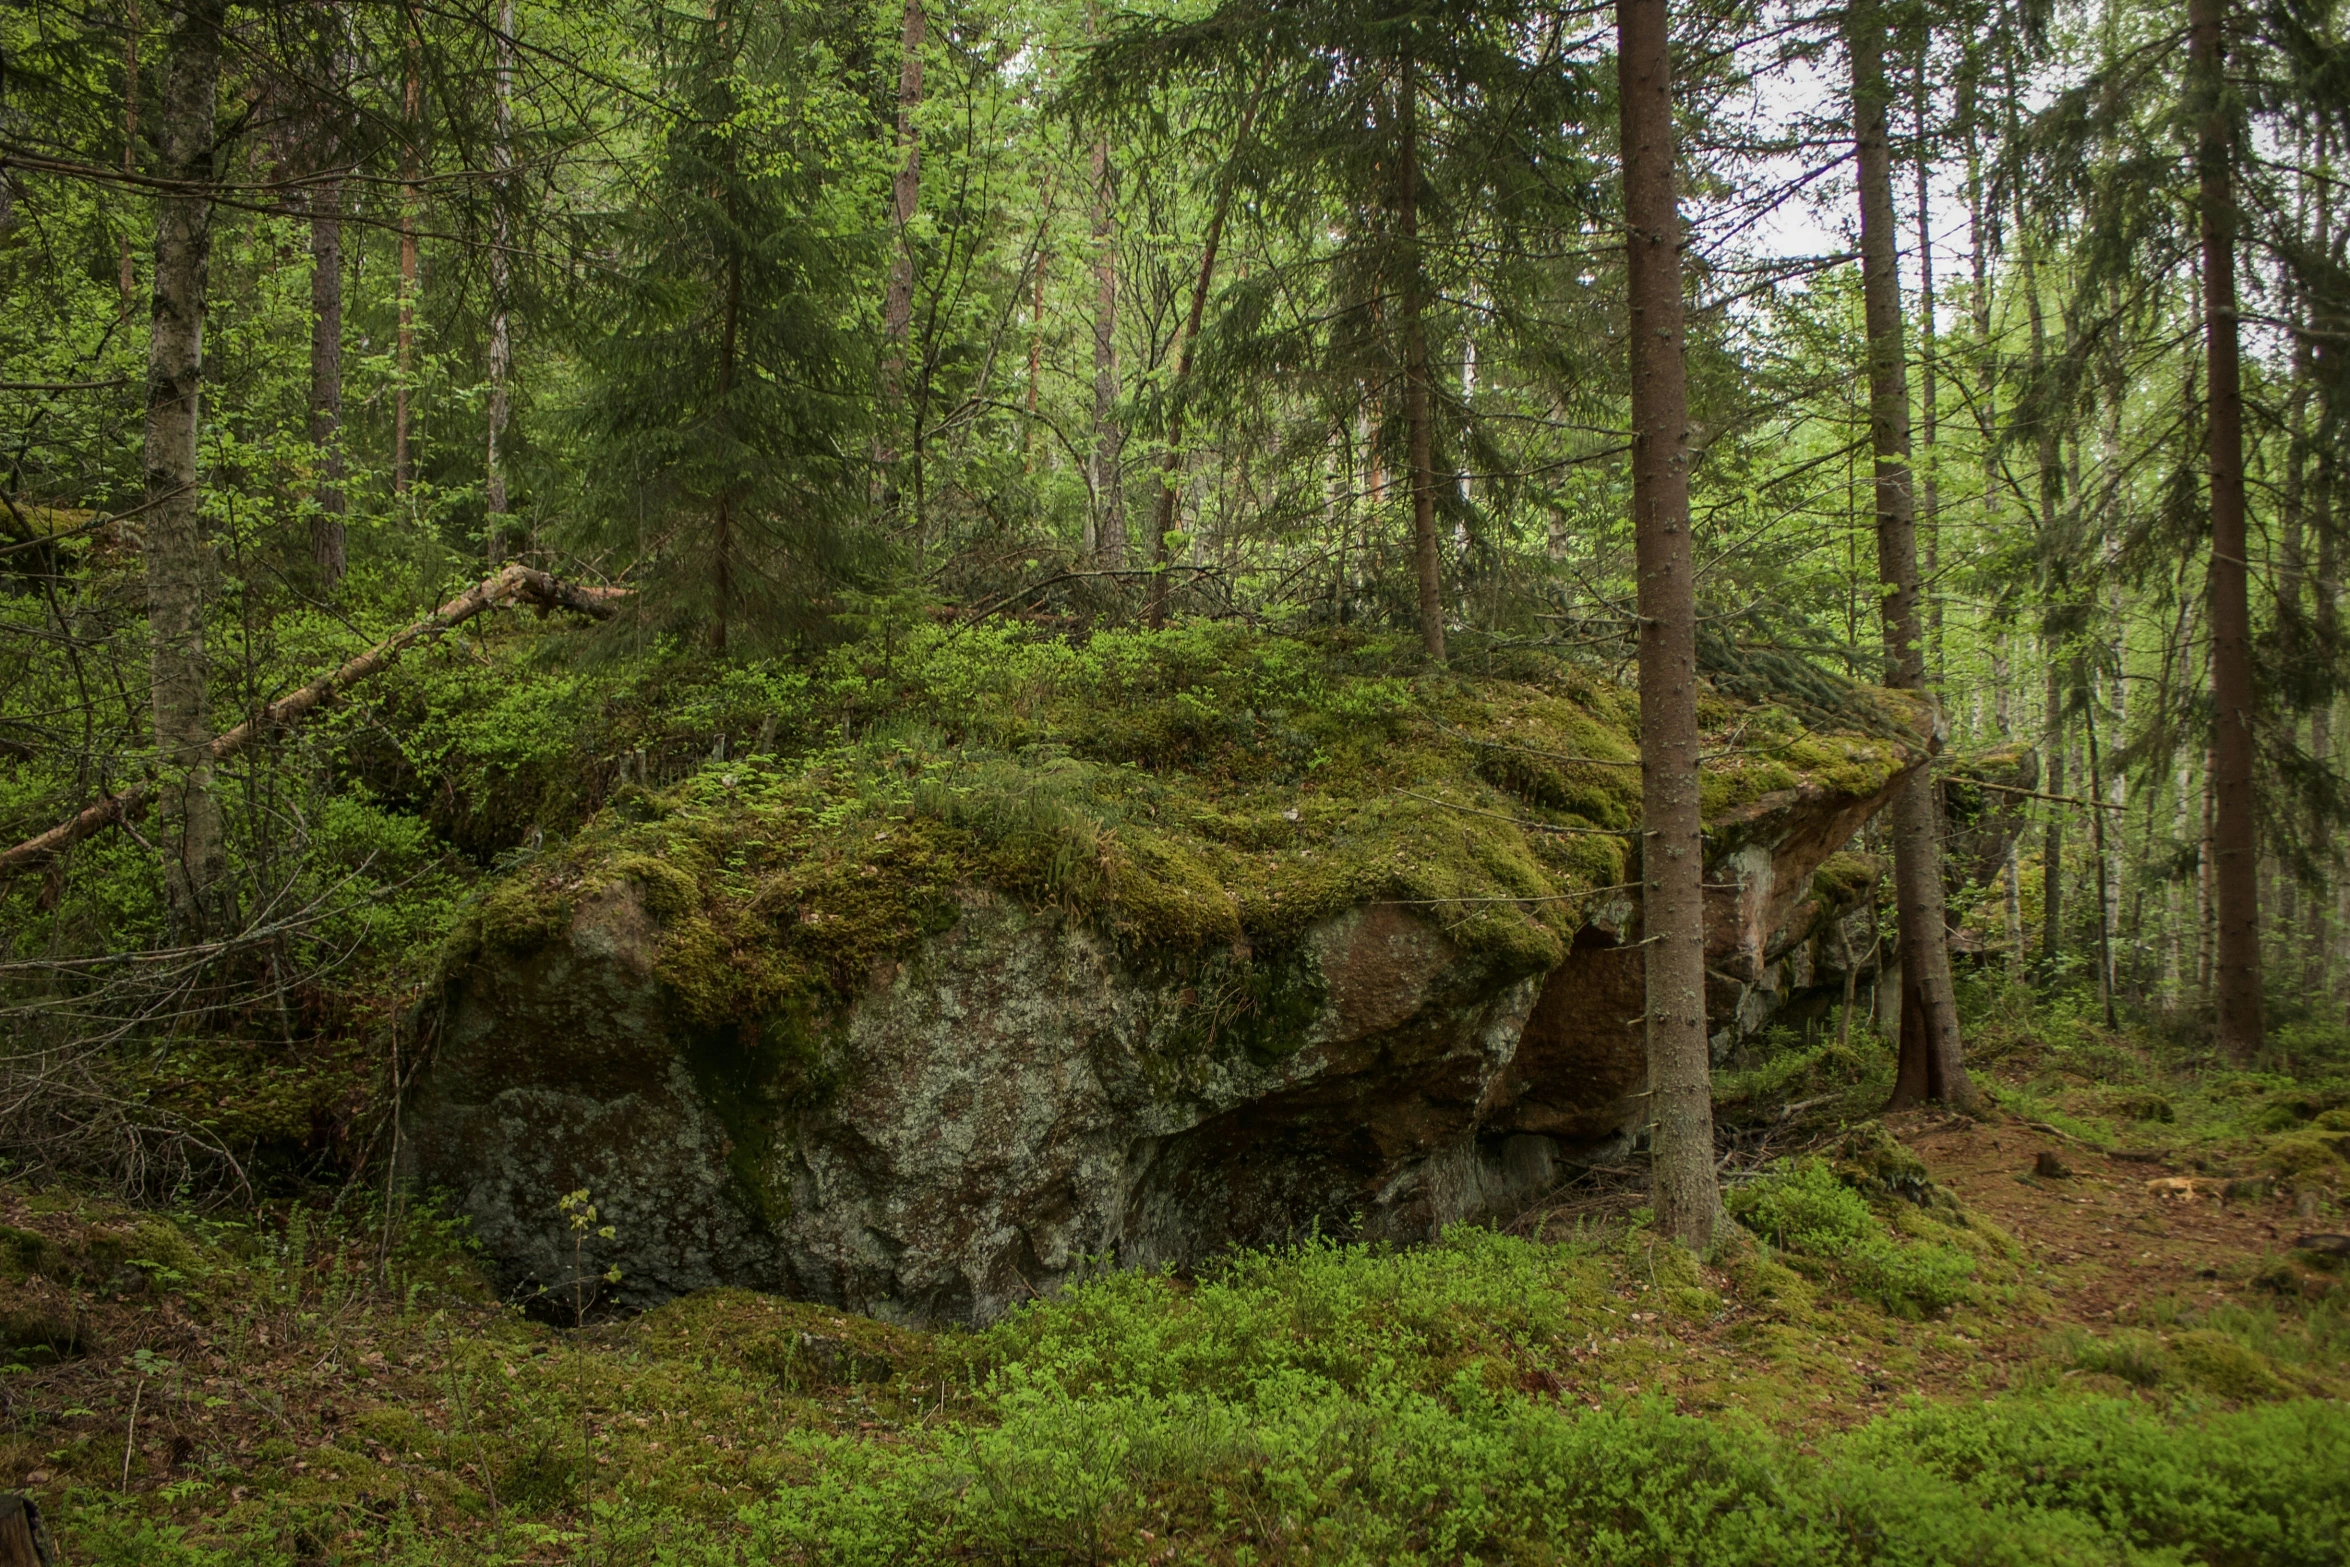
23,1540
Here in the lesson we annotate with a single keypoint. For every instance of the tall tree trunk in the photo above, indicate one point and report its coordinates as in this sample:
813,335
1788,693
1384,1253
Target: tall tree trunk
1419,421
328,541
1109,492
178,555
501,349
2235,833
1672,858
411,192
1932,1067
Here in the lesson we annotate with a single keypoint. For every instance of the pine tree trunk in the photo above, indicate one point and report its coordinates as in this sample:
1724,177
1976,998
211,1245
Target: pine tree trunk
2235,833
328,542
1419,431
178,555
1932,1067
1109,492
1672,859
501,346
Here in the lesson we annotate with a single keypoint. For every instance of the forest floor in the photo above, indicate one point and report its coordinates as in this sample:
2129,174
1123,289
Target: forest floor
286,1384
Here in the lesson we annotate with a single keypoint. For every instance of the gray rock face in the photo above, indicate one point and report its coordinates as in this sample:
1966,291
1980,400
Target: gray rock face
1014,1100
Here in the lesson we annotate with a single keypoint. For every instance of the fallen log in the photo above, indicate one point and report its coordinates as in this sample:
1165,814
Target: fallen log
524,583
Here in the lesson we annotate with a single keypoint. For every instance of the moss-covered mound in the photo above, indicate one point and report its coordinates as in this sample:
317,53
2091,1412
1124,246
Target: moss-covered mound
1196,788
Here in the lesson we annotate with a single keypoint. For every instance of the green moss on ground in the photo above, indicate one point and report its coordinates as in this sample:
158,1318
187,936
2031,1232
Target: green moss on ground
319,1388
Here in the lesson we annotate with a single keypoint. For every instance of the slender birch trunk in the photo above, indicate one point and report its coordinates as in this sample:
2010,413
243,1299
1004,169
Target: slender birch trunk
180,580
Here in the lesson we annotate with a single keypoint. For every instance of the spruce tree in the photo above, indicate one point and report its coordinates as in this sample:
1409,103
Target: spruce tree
1386,134
727,397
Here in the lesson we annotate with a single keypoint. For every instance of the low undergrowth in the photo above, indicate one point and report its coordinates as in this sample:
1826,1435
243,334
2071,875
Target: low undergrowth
1822,1221
299,1387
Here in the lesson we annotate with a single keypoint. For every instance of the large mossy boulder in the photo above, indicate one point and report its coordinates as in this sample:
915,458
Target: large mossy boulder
1124,953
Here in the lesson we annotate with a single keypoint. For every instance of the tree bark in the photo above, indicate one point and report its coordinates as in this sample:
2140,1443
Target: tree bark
178,555
2235,832
1932,1067
1686,1193
501,346
1419,422
1109,491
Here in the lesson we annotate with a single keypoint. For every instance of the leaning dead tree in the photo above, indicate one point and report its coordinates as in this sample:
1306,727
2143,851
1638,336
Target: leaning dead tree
517,583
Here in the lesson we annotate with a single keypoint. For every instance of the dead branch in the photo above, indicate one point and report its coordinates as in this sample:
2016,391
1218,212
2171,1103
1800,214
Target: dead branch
523,583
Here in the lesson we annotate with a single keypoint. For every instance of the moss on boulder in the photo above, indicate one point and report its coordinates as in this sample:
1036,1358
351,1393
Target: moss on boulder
1038,951
1184,790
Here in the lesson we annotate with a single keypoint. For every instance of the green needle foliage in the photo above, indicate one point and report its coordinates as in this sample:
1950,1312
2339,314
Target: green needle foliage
724,379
